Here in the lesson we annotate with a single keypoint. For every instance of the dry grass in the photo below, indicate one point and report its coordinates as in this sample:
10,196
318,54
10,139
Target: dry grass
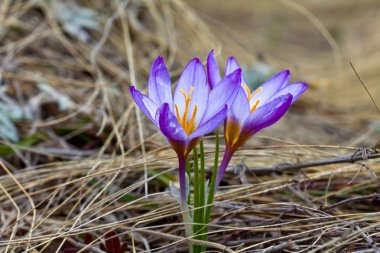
81,170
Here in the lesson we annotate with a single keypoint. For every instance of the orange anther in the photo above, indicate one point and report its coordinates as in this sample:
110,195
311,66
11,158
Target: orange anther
254,107
188,126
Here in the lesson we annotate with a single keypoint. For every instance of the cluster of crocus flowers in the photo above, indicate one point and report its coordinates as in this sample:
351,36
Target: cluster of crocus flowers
203,101
193,112
252,111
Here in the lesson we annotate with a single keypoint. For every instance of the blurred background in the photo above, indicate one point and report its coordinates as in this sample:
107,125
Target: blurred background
73,147
316,40
66,67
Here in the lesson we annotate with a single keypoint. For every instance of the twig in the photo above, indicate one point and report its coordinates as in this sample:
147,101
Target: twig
279,247
373,196
357,156
368,239
365,87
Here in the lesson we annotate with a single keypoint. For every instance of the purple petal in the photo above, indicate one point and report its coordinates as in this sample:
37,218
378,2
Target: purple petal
213,74
199,98
223,94
152,90
147,105
237,113
210,125
194,75
231,66
239,110
295,89
159,84
267,114
270,87
172,130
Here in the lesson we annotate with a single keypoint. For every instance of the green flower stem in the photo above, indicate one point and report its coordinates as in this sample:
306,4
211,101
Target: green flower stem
197,198
211,192
202,180
202,193
187,166
186,215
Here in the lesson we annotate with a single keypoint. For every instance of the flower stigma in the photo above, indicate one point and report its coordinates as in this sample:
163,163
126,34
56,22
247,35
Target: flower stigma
188,126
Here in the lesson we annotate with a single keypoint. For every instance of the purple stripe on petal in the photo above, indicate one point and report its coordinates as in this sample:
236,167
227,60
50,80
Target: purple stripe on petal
224,93
270,87
267,115
172,130
295,89
213,74
210,125
147,105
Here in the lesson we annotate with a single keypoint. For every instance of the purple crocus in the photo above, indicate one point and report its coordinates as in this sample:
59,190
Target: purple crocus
252,111
193,112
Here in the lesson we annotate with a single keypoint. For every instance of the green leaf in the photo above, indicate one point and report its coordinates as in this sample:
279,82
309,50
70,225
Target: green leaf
128,198
26,142
165,178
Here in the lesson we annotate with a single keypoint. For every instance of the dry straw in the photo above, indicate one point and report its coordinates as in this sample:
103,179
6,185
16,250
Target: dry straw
55,190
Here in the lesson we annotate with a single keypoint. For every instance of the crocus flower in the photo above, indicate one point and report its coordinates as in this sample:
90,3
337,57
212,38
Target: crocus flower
193,112
252,111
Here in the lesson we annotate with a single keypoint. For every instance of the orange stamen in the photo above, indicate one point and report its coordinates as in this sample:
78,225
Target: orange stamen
248,91
177,112
257,91
249,94
188,126
254,107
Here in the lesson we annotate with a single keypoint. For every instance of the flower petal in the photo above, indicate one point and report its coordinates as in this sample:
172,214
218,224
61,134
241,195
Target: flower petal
159,84
237,113
172,130
267,114
194,75
239,109
223,94
147,105
210,125
213,74
270,87
199,98
295,89
232,65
